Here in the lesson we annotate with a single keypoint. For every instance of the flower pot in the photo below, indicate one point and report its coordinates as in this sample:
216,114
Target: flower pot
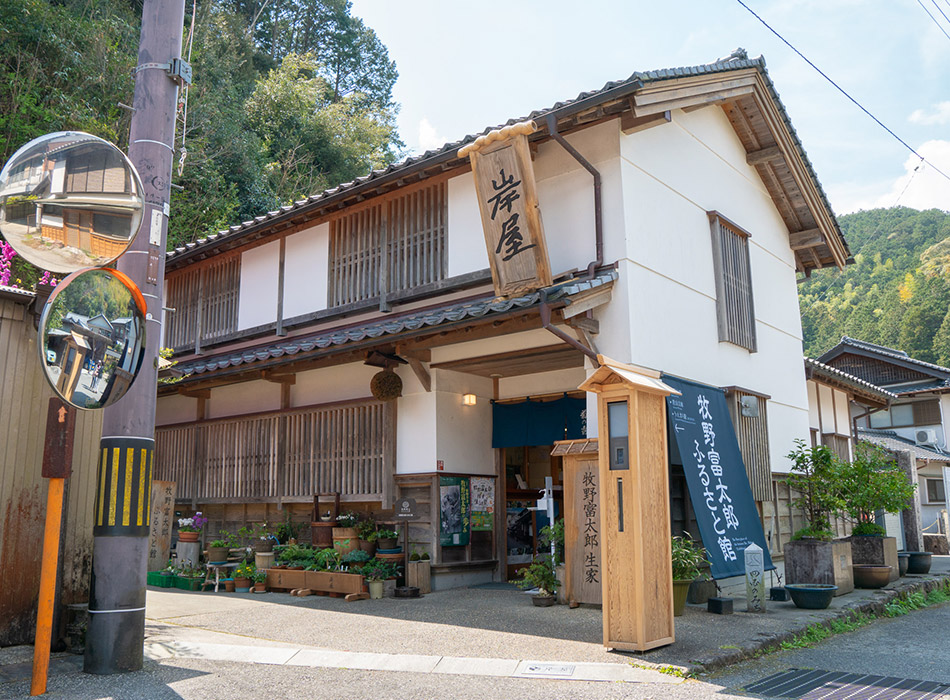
188,536
903,560
811,596
868,576
218,555
263,560
680,591
919,562
543,601
818,562
260,587
368,547
386,543
874,550
229,585
263,546
244,583
375,590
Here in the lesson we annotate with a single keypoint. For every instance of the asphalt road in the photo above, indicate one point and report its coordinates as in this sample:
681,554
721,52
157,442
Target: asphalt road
913,646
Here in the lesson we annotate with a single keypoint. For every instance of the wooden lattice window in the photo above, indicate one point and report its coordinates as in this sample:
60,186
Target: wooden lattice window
752,433
205,302
387,247
927,412
734,306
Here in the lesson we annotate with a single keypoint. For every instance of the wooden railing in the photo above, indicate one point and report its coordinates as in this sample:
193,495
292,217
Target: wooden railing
205,303
285,455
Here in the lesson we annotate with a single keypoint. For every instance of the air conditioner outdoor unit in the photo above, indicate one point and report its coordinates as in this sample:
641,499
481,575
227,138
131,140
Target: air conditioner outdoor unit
927,438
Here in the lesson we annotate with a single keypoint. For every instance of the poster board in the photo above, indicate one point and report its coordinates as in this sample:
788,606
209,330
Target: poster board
455,509
483,503
161,516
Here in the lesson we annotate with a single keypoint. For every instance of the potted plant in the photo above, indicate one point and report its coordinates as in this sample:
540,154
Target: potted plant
220,548
367,534
873,482
687,559
376,572
540,574
418,572
189,578
242,577
189,529
355,559
288,530
813,556
259,577
386,540
345,534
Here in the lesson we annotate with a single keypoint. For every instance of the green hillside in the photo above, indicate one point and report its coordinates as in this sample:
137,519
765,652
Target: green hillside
897,291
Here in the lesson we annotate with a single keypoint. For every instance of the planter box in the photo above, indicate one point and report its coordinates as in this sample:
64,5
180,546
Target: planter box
333,582
875,551
156,578
813,561
418,575
936,543
286,579
189,583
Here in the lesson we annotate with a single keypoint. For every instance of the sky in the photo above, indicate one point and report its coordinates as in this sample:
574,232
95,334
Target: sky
465,66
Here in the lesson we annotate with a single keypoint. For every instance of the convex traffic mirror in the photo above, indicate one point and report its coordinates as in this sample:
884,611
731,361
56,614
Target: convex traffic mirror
92,337
68,201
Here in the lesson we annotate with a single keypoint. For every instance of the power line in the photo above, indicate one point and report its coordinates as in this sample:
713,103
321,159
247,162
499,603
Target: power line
934,19
843,92
941,11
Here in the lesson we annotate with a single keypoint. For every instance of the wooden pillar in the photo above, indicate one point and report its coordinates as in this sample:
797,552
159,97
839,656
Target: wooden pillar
913,535
637,576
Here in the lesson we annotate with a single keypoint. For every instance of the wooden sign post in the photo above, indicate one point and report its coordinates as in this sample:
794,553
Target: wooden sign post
508,202
637,570
161,516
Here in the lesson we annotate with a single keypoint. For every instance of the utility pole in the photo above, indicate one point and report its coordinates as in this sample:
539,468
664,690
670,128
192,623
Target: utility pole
116,634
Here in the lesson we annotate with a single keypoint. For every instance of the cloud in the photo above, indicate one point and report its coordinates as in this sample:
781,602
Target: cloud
939,115
920,187
429,138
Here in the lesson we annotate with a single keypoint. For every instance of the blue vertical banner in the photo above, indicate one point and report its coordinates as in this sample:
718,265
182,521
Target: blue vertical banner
719,490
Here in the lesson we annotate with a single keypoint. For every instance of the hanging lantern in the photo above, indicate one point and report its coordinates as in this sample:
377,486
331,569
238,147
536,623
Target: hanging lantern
386,385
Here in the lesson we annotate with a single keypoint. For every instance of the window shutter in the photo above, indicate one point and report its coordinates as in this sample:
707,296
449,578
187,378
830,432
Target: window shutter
927,412
734,305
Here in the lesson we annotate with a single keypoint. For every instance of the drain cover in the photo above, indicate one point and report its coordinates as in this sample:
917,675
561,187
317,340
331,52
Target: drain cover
803,684
558,670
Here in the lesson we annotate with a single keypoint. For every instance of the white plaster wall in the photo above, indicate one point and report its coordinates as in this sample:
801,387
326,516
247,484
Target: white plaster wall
813,421
842,414
330,384
416,433
541,383
463,433
248,397
826,407
671,176
490,346
175,409
258,295
466,242
306,264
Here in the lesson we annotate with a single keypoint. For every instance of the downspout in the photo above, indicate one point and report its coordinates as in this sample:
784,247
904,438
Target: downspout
598,200
573,342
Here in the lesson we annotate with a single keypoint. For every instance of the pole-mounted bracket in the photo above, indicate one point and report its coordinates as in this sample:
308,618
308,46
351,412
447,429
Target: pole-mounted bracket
178,70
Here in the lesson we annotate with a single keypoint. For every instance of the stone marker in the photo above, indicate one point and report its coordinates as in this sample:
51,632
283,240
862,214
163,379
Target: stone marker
754,578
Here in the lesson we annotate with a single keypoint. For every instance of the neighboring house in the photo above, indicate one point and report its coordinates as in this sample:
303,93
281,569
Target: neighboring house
683,259
917,420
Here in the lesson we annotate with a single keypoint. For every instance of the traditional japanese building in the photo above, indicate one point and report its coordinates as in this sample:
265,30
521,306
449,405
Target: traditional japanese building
674,211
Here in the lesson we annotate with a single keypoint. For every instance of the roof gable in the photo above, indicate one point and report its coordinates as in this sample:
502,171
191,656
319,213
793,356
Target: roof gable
879,364
739,85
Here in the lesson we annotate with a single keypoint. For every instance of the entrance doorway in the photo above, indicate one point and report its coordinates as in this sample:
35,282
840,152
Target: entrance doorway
526,469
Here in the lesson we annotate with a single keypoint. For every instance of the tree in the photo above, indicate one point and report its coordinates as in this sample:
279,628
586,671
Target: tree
815,476
872,482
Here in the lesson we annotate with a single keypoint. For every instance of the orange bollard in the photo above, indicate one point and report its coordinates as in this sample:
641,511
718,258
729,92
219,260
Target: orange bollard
44,614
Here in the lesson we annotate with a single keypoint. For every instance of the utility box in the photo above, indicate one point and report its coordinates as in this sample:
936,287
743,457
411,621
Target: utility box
637,579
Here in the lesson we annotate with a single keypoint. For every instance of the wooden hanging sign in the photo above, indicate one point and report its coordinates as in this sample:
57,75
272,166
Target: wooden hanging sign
508,202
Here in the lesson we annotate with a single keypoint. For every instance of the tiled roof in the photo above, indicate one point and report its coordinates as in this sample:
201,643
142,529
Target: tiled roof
936,385
448,151
16,293
450,313
890,440
884,351
857,383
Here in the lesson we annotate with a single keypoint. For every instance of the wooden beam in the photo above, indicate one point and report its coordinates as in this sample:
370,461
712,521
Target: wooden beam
629,124
585,301
799,240
764,155
591,325
269,375
422,374
195,393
